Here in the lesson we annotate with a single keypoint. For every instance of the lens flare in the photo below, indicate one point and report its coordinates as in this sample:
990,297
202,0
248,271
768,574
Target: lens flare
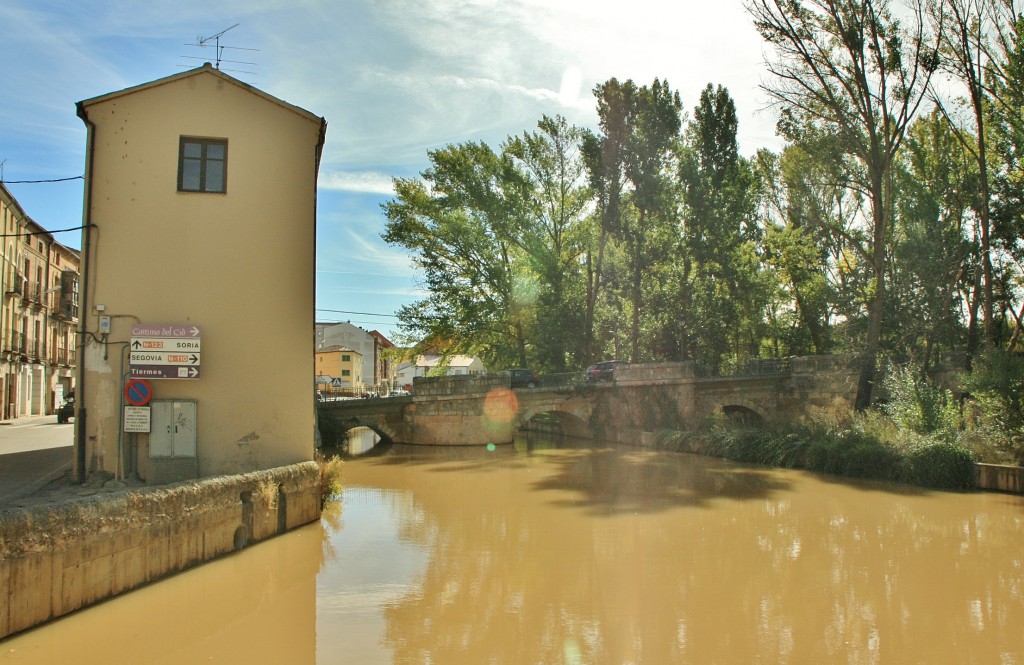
501,406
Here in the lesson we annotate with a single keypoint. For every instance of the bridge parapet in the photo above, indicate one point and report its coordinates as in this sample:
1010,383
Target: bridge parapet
655,373
435,387
823,364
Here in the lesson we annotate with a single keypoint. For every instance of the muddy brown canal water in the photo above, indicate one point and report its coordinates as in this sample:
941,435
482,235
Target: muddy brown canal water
575,554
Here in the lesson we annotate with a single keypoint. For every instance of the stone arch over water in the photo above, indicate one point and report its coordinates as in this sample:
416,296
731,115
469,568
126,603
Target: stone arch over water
570,424
746,413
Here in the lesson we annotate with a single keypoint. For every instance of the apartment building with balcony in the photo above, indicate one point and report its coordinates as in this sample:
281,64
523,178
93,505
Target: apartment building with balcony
39,282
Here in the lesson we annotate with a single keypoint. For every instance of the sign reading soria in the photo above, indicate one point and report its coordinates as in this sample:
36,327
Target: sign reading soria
165,351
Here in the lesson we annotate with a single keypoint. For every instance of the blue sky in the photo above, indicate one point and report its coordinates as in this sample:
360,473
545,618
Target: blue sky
393,78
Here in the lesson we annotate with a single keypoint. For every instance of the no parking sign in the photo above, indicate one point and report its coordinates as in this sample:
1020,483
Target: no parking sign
138,392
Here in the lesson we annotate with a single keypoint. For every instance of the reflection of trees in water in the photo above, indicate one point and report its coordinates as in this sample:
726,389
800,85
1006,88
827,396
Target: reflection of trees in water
511,578
330,522
612,480
612,556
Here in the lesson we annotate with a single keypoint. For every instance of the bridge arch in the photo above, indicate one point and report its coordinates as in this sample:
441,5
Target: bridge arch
743,411
339,429
571,424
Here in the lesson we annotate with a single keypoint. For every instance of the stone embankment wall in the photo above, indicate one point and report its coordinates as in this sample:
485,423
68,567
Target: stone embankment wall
999,477
61,557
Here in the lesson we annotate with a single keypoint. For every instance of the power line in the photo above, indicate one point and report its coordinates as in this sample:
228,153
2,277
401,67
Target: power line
41,233
36,182
344,311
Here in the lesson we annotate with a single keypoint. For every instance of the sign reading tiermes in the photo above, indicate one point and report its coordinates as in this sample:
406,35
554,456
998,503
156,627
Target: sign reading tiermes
159,351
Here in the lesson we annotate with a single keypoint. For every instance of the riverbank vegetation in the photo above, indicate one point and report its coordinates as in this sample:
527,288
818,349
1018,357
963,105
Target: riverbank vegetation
888,225
922,434
330,477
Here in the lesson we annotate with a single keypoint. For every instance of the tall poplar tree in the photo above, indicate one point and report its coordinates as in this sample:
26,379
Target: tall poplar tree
630,168
850,67
555,236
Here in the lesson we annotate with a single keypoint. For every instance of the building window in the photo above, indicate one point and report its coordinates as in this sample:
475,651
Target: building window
346,372
202,165
346,358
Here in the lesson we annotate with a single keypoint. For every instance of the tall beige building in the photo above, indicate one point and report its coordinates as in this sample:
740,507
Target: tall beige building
198,278
39,283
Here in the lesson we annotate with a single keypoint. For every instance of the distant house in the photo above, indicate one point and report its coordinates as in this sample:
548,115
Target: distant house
200,220
424,365
339,370
378,372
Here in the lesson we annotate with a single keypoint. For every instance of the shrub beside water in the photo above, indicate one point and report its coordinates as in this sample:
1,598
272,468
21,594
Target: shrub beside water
941,464
852,453
330,477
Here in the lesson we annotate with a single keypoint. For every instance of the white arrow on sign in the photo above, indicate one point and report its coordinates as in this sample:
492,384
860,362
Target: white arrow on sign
162,358
164,344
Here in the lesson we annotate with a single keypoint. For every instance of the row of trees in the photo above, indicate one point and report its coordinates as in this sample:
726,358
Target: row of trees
888,224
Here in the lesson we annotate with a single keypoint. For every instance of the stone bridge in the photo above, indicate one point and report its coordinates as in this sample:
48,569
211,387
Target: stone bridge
642,399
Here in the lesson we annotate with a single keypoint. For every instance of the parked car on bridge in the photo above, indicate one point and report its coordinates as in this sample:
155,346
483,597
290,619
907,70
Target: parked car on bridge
603,371
524,378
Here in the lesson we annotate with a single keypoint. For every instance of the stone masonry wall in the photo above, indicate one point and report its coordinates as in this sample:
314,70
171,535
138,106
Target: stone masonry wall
57,558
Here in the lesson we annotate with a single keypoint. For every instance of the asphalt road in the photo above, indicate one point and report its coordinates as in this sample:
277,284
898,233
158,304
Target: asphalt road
33,451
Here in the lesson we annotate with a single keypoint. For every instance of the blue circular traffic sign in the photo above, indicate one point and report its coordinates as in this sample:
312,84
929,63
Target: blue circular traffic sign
138,392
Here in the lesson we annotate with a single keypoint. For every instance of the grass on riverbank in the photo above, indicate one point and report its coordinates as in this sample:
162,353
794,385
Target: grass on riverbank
870,445
330,477
854,453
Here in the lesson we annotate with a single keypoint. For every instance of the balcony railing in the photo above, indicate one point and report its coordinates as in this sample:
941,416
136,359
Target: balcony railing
32,348
15,343
16,285
63,357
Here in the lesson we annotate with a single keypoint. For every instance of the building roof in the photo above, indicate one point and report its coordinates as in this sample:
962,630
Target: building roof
452,361
206,69
337,348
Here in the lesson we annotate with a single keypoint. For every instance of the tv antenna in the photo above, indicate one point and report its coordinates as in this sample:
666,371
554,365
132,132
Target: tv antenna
203,42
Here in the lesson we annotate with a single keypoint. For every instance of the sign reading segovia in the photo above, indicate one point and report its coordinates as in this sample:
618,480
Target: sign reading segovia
165,351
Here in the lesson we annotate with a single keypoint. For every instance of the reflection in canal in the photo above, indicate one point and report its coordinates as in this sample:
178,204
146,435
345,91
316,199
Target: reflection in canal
611,555
535,554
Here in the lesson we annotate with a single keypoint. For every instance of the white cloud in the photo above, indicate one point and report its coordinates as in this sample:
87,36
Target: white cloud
367,182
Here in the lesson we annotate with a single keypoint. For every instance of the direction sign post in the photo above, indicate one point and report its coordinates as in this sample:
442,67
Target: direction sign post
165,351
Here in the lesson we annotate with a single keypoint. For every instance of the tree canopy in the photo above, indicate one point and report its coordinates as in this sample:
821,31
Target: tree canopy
889,225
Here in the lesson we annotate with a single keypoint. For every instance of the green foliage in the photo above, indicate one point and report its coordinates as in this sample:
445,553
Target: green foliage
853,453
850,453
996,388
653,238
330,477
940,465
917,405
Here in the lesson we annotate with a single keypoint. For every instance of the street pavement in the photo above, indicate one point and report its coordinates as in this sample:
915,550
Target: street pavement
33,452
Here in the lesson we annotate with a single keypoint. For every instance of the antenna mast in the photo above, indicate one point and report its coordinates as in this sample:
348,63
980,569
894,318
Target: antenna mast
214,41
202,41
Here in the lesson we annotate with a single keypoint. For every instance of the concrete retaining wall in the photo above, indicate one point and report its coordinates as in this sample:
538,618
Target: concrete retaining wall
999,478
57,558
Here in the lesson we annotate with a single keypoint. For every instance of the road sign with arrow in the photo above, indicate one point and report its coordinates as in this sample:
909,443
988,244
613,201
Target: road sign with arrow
159,351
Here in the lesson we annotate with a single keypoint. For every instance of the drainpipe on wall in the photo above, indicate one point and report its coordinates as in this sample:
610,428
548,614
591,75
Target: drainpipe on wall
80,416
